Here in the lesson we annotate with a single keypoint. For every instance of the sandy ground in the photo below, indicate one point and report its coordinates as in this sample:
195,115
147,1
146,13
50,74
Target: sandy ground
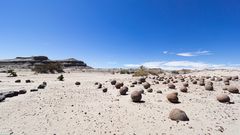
66,109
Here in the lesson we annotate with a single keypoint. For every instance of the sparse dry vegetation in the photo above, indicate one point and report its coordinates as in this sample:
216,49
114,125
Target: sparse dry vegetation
142,71
12,73
48,68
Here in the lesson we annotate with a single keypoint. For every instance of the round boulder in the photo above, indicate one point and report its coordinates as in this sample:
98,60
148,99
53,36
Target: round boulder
185,84
113,82
77,83
146,85
171,86
178,115
18,81
118,85
209,87
184,89
173,97
223,98
150,90
233,89
136,96
159,91
104,90
22,91
28,81
2,98
123,90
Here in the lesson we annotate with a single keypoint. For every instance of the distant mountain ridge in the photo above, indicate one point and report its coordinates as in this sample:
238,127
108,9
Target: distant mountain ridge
29,62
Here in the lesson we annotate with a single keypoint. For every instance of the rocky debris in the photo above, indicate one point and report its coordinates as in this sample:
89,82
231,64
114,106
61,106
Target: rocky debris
123,90
173,97
209,83
223,98
41,86
235,78
44,83
227,83
225,88
132,85
136,96
202,83
178,115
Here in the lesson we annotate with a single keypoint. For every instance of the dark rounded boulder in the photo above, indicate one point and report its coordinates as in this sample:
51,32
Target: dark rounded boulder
142,80
233,89
113,82
99,86
209,87
178,115
136,96
184,89
41,86
118,85
33,90
28,81
185,84
2,98
223,98
123,90
171,86
146,85
18,81
22,91
104,90
77,83
11,94
173,97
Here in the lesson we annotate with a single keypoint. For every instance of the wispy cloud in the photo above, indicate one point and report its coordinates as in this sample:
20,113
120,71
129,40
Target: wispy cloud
191,54
165,52
176,65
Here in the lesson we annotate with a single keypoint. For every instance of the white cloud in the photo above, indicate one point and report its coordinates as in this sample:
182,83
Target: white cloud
165,52
132,65
176,65
191,54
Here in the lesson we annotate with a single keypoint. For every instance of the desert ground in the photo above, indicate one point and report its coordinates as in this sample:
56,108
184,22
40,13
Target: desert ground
63,108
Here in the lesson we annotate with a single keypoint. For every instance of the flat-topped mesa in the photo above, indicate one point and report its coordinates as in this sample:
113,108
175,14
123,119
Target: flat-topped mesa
29,62
36,58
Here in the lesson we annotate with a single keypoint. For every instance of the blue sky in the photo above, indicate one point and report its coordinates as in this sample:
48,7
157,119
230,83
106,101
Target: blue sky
124,33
